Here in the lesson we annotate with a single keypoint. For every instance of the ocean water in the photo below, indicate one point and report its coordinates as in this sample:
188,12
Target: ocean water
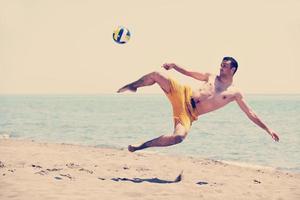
116,120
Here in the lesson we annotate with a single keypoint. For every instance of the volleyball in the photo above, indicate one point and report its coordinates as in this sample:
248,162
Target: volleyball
121,35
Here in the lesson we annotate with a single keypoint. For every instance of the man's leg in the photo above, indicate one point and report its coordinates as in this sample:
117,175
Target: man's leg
164,140
148,79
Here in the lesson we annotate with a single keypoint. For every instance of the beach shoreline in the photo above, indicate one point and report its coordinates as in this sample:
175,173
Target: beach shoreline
39,170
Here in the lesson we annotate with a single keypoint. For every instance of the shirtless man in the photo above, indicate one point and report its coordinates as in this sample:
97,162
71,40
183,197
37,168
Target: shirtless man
187,105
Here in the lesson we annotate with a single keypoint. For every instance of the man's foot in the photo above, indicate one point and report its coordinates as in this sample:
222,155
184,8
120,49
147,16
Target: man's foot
131,148
127,87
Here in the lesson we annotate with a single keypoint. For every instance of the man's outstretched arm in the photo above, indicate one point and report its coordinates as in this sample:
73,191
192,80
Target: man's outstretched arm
253,117
195,75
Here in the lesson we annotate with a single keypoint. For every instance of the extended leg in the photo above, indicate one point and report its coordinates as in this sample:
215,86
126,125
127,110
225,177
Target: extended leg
164,140
148,79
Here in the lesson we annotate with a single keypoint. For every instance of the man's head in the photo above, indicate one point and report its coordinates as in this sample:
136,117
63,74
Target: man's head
228,66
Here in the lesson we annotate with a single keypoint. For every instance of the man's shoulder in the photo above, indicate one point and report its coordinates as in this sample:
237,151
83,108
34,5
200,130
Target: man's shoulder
238,93
235,91
211,76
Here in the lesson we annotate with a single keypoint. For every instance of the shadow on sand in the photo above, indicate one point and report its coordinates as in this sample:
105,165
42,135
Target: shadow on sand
150,180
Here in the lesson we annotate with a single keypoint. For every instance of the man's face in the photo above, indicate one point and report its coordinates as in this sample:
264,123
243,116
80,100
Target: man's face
225,67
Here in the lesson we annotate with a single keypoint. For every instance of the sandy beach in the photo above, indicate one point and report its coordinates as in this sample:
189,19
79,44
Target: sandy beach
33,170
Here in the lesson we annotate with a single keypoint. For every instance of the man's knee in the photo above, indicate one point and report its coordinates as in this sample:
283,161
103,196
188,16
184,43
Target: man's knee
161,80
156,75
179,138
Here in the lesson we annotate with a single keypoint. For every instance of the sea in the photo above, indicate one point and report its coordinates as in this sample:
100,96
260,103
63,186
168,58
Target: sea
117,120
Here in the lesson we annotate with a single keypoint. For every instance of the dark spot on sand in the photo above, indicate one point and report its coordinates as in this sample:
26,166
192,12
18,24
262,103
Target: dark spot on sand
72,165
102,179
36,166
42,172
202,183
66,175
224,97
54,169
125,167
256,181
86,170
141,169
217,162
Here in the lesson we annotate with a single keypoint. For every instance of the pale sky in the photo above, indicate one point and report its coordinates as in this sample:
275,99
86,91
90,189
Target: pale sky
66,46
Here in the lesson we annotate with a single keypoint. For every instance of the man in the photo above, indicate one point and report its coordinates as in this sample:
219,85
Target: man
187,105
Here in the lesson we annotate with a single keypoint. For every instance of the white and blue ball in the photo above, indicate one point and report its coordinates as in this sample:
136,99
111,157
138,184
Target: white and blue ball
121,35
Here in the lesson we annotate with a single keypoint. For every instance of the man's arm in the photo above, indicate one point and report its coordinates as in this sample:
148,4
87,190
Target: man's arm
253,117
195,75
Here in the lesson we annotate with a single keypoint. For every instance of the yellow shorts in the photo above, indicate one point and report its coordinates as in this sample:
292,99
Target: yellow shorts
180,98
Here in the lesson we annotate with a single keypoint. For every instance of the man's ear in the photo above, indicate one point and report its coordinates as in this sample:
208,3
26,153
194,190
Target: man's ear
232,70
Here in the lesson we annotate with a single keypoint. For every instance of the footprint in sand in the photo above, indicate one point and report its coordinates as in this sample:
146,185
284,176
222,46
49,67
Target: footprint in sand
2,165
67,175
54,169
256,181
125,167
202,183
142,169
36,166
42,172
86,170
72,165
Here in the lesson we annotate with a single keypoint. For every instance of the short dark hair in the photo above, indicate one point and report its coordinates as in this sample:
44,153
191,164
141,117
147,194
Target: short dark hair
233,63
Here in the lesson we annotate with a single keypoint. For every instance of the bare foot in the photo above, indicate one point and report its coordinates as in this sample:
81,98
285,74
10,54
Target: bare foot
127,87
131,148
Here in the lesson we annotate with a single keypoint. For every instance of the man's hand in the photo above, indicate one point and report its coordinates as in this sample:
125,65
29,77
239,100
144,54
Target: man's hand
253,117
274,136
169,66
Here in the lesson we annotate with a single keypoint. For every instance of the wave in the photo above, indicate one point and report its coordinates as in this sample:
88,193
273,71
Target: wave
4,136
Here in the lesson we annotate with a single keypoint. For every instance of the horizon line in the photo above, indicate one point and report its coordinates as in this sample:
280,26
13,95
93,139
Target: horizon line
131,93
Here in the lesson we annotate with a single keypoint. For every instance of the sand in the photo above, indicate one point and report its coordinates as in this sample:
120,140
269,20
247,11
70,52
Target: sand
34,170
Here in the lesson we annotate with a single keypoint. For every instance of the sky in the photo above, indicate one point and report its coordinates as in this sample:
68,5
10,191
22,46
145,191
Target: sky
66,46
